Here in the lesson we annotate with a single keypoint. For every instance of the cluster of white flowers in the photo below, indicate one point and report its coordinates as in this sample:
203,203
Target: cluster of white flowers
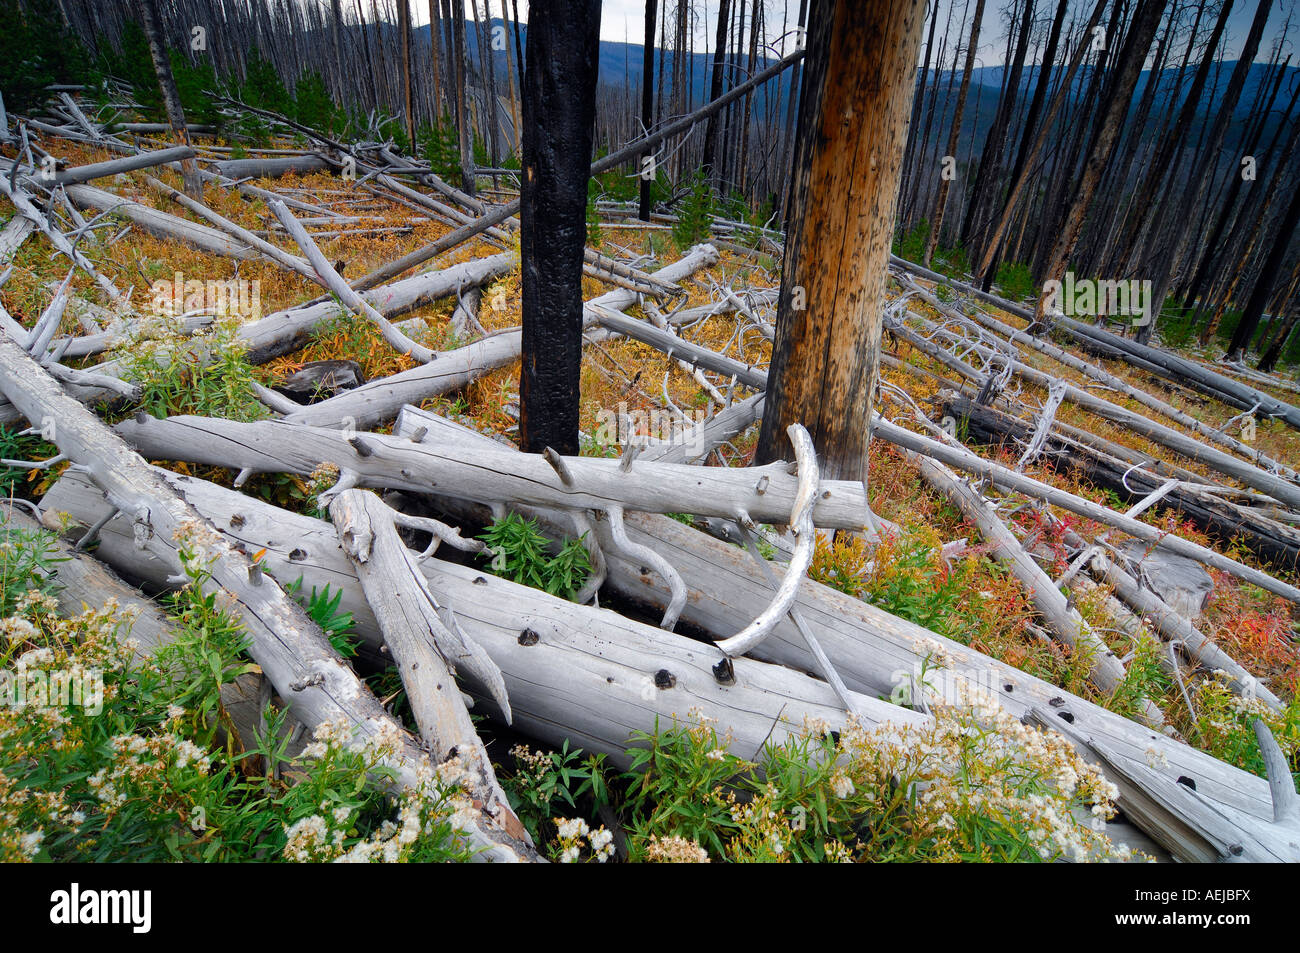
675,850
570,835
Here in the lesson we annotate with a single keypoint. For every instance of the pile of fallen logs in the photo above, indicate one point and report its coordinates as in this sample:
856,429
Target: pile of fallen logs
767,647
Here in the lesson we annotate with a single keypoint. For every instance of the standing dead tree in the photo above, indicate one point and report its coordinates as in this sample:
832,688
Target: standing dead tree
560,105
847,161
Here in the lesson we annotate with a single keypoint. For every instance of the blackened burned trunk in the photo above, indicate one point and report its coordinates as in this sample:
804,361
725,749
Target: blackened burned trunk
715,89
987,187
170,95
1182,223
647,100
853,110
1028,140
1119,94
1270,358
467,180
1268,275
559,112
408,103
941,199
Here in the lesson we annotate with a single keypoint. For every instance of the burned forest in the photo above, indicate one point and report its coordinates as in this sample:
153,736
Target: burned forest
707,431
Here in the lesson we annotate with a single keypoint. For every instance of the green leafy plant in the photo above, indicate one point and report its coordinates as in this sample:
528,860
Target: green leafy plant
324,611
522,556
694,214
151,767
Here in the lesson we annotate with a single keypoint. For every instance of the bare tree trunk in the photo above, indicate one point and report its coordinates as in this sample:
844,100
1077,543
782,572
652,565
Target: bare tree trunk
560,103
837,257
715,89
647,98
1130,61
171,96
1263,290
408,103
941,200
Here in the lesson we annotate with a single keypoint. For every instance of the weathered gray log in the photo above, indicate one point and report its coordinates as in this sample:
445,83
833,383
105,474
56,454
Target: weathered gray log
622,666
1193,449
1180,817
337,286
12,237
380,400
1007,479
1014,336
766,493
83,582
426,651
588,676
1105,670
1268,539
872,650
271,168
22,201
672,345
238,232
1172,366
290,648
1172,626
281,332
159,223
100,170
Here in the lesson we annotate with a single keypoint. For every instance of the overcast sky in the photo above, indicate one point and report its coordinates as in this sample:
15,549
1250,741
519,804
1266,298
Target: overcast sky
624,20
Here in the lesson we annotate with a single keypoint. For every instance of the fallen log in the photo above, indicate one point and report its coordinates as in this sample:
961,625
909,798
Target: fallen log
159,223
290,648
1268,539
83,582
427,652
873,651
281,332
1104,668
573,673
380,400
1007,479
238,232
602,687
1193,449
100,170
1062,356
270,168
1173,367
495,472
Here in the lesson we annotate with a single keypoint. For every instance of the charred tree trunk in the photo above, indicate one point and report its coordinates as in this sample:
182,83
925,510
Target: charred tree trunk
715,89
647,99
1181,225
408,103
171,96
941,200
857,91
1263,290
1130,61
560,107
989,267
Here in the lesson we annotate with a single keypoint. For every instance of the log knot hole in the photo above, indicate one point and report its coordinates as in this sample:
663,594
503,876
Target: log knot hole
665,679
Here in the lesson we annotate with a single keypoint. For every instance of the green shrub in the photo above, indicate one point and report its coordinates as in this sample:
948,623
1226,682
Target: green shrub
694,214
36,51
521,556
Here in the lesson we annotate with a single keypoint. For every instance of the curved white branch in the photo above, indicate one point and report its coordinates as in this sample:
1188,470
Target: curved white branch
806,536
656,562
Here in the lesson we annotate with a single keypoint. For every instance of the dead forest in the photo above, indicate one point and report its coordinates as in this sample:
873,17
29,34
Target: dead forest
430,433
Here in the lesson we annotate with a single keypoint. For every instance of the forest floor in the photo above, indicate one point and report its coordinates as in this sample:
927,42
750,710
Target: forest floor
970,597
